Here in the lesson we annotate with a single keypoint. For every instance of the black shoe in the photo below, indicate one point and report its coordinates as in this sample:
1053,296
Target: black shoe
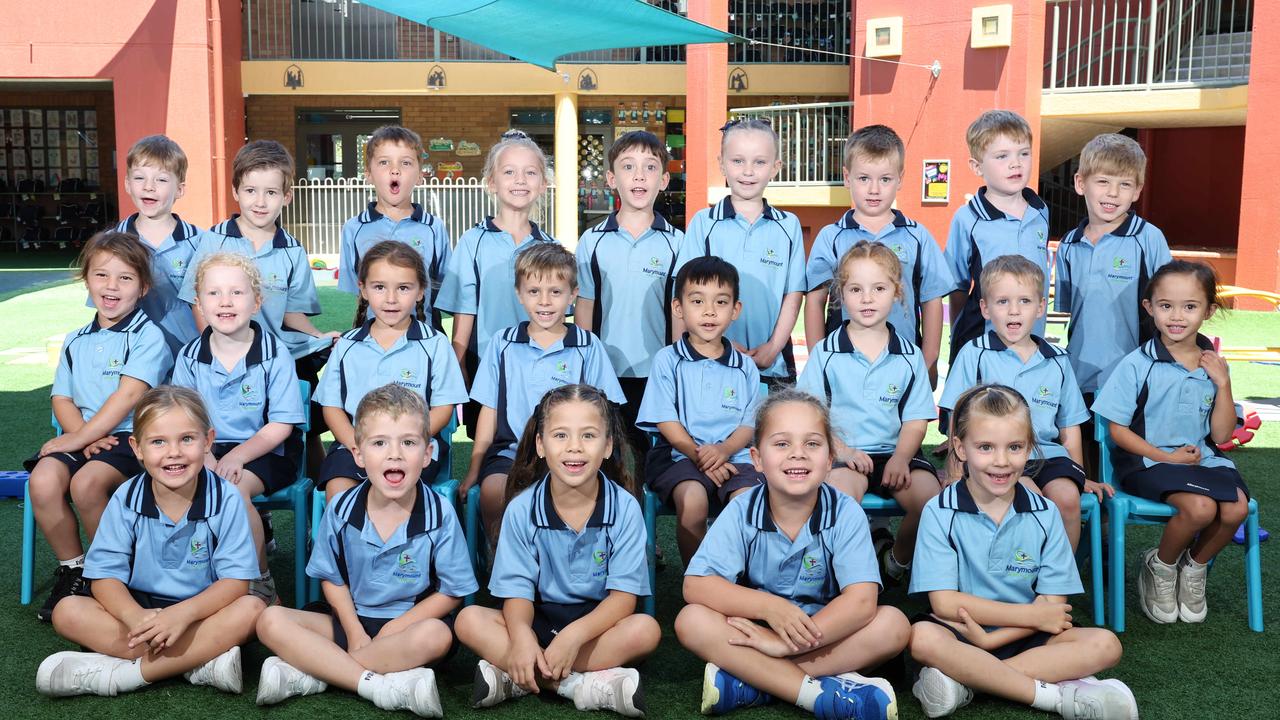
268,532
67,581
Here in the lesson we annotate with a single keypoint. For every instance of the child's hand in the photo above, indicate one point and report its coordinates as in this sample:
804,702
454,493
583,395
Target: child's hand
229,467
1216,368
764,354
972,631
759,638
134,619
858,461
525,660
897,474
792,625
721,475
933,374
1102,490
562,653
99,445
333,336
472,476
1052,617
711,456
358,641
163,630
66,443
1185,455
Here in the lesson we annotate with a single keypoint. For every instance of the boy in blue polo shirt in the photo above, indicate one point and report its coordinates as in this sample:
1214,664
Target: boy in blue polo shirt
701,400
997,568
1040,371
625,268
393,565
873,164
522,363
393,163
1005,217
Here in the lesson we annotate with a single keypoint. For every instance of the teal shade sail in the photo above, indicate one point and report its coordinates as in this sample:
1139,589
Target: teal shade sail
540,31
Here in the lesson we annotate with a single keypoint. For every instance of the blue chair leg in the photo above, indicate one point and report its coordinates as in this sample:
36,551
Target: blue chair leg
1118,515
1095,566
651,532
1253,569
28,545
300,523
475,534
317,514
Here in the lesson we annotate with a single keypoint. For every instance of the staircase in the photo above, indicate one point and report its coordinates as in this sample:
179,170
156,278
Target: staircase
1220,59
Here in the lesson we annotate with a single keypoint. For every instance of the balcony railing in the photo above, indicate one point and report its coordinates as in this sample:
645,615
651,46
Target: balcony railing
1146,44
350,30
810,137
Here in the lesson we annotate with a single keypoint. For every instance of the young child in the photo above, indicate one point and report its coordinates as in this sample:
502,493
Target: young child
395,346
878,387
480,275
1169,402
996,566
625,268
763,242
702,402
393,163
156,178
1005,217
248,379
393,565
1010,353
782,595
569,567
170,567
873,165
522,363
103,370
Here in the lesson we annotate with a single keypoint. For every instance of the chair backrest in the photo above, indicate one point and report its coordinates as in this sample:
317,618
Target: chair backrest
1102,433
304,426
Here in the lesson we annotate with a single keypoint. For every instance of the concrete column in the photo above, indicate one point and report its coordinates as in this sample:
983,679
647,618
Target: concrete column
566,230
1258,258
706,82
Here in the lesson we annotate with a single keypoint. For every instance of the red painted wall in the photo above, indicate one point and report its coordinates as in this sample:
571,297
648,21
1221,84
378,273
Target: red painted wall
1193,184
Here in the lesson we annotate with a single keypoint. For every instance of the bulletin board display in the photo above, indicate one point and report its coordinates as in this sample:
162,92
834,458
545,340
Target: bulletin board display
49,144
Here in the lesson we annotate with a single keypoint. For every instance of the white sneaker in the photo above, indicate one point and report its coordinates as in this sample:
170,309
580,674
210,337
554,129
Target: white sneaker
616,689
413,690
279,681
1097,700
938,694
1157,588
492,686
222,672
1192,607
64,674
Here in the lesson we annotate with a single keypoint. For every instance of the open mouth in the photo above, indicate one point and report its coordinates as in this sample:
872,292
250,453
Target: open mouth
1175,329
797,473
174,469
574,467
1013,326
395,187
1109,208
394,476
110,301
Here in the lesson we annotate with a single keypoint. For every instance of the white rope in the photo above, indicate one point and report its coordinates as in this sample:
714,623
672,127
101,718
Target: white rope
935,67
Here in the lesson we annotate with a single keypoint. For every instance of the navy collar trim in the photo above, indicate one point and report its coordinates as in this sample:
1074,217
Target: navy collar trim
206,501
723,210
281,240
958,498
356,504
659,223
843,344
1044,346
822,518
535,232
544,513
1156,350
415,331
729,358
124,324
182,231
371,213
988,211
847,221
574,336
1131,227
253,357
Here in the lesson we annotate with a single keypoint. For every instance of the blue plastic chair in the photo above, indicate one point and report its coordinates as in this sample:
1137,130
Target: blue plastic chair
1125,509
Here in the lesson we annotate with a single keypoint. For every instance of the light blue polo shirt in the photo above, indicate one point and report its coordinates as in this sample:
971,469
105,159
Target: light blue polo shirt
94,359
480,280
287,285
541,559
421,231
710,397
925,274
870,398
769,256
262,388
631,280
960,548
980,233
424,555
170,264
831,552
1162,402
516,372
141,547
1102,286
1046,382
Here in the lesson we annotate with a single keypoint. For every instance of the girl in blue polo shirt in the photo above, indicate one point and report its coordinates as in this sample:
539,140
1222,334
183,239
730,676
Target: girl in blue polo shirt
782,593
1166,401
170,567
569,566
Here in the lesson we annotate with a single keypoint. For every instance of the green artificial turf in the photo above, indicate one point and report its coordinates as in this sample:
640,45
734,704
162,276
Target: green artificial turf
1218,669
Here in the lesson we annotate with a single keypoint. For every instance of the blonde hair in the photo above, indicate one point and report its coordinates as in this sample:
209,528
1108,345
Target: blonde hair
875,142
744,124
995,401
232,260
876,252
392,134
547,260
511,139
394,401
993,124
161,399
158,151
1016,266
1113,154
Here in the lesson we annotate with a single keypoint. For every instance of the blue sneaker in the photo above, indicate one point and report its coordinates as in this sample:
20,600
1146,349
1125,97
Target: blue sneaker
722,692
851,696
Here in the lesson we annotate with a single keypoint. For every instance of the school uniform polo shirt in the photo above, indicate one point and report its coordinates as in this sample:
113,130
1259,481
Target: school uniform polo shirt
143,548
870,397
95,358
925,274
1162,402
541,559
262,387
1045,381
421,231
710,397
769,256
424,555
960,548
170,264
1102,286
516,372
630,279
480,279
980,233
831,552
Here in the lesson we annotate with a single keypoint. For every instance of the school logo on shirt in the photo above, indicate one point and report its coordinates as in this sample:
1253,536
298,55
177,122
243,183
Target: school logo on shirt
654,267
892,394
1121,269
812,571
600,558
1022,564
406,568
771,258
272,282
407,378
899,250
113,367
1041,244
1044,397
729,399
249,396
197,553
179,264
561,373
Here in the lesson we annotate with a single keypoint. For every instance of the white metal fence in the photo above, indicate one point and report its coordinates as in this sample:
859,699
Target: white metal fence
320,207
811,138
1145,44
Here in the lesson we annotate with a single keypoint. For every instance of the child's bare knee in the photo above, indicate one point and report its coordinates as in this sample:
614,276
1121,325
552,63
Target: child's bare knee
432,636
272,622
642,633
893,626
1104,646
1234,513
1065,496
693,623
1199,510
927,640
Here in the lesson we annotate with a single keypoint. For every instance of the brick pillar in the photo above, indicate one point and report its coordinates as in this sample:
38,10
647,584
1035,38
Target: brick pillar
706,83
1258,259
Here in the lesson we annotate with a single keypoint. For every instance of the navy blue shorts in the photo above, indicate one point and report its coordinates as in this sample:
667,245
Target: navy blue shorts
1051,469
275,471
876,477
666,480
308,368
1163,479
1004,652
550,618
341,463
151,602
120,457
495,464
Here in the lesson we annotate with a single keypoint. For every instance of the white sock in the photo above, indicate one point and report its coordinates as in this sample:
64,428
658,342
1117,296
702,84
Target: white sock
569,685
895,568
1048,697
810,689
127,676
369,685
75,562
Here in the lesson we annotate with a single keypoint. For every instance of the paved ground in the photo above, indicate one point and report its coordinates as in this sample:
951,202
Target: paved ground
13,280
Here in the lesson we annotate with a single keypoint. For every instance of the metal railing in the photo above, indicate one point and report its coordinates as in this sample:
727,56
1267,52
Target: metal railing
320,207
1146,44
350,30
810,137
